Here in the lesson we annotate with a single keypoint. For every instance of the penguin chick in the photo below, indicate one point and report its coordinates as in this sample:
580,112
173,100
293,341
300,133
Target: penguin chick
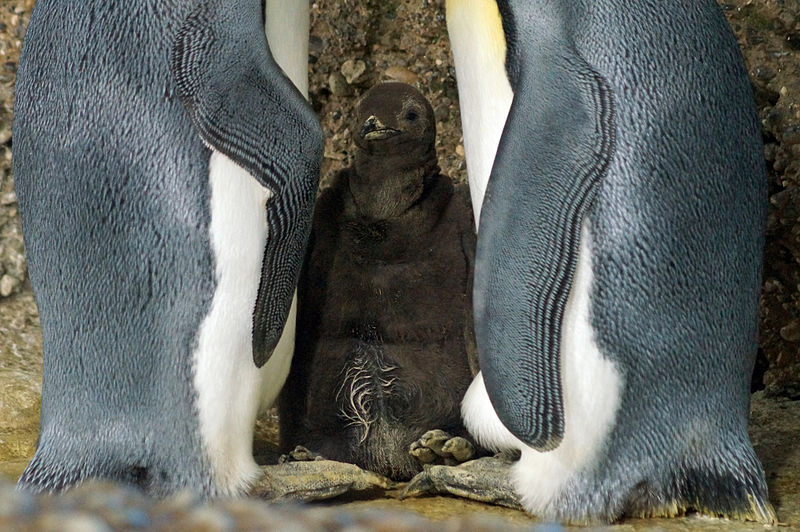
385,297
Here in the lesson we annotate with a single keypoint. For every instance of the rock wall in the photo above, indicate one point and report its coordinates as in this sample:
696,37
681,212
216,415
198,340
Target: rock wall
769,33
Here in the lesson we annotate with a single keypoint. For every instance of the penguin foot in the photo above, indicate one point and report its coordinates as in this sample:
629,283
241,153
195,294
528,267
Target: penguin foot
316,480
300,454
437,446
485,480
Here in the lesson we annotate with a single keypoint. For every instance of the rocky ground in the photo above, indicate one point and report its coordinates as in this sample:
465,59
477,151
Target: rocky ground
354,45
769,32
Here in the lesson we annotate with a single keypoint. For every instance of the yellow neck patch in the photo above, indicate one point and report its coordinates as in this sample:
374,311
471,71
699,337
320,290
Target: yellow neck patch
484,23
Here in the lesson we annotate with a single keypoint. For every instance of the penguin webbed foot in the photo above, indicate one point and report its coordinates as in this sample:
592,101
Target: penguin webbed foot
316,479
438,447
300,454
484,480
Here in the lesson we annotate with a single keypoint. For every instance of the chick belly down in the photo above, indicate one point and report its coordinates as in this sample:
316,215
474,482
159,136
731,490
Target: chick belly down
368,402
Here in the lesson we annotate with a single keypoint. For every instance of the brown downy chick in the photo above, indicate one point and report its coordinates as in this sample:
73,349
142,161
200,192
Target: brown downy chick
384,335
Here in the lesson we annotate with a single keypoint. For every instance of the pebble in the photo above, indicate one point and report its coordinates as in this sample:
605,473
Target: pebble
353,70
104,506
398,73
335,155
791,332
7,285
80,522
791,135
764,73
209,520
14,503
338,84
441,112
8,199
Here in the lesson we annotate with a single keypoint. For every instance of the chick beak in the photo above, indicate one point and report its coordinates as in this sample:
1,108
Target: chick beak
373,129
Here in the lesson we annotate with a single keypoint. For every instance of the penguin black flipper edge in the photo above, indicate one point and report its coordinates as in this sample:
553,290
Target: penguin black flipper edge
248,110
556,146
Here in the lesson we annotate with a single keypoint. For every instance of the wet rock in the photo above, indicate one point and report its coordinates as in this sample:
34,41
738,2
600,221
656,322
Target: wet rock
72,522
14,504
208,519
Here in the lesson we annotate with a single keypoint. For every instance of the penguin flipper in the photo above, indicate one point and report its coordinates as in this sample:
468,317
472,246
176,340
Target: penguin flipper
555,147
243,106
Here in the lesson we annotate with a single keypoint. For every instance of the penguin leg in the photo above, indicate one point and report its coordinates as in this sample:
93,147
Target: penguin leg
317,480
300,454
246,108
441,447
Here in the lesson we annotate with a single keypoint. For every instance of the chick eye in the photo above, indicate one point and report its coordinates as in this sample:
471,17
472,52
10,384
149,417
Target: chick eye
411,116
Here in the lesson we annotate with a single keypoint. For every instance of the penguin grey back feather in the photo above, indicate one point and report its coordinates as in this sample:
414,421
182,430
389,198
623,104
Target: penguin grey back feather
678,226
106,163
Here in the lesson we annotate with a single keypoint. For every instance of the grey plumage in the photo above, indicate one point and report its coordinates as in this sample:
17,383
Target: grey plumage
113,182
638,119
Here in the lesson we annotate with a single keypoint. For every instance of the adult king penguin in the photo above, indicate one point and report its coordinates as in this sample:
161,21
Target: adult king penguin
166,171
616,169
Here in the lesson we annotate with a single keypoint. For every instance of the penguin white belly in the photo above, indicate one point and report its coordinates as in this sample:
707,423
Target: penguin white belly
484,92
591,385
277,367
230,389
287,25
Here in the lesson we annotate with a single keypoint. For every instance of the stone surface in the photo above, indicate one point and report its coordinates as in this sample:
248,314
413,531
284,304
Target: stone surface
14,16
20,382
